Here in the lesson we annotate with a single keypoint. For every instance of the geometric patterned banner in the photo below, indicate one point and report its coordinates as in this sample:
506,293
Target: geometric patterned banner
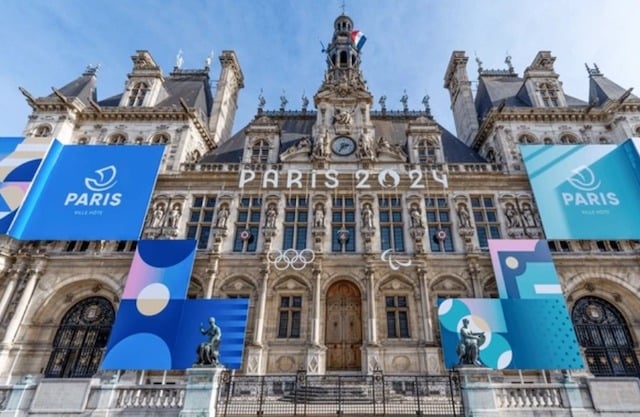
156,327
527,328
19,161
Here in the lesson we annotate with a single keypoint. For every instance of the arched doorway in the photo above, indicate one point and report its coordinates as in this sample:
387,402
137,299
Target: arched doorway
81,339
605,337
343,327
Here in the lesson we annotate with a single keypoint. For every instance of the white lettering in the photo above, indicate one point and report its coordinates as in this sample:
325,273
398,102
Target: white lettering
294,176
362,176
246,176
270,176
332,176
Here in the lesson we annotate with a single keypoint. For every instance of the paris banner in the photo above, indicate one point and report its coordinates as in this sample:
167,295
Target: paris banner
528,327
157,327
586,191
92,192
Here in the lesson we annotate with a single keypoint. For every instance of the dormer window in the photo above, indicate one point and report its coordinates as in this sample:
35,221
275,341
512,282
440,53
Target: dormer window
117,139
548,94
138,93
427,152
260,152
42,131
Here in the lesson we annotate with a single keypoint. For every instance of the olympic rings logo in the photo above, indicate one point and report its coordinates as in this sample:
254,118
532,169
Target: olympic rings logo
291,258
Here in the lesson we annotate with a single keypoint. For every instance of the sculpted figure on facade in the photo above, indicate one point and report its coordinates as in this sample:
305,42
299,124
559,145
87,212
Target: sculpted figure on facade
158,215
271,217
174,216
320,145
222,217
513,217
208,352
416,217
463,216
318,216
343,117
527,215
367,217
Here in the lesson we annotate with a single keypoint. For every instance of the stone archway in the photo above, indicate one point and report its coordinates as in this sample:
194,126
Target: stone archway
343,327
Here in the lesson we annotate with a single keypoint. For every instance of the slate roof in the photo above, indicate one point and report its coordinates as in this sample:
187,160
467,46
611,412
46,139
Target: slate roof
83,88
602,89
295,126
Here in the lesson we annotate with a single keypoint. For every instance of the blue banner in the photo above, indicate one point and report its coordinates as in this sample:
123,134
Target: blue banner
85,192
158,328
586,191
527,328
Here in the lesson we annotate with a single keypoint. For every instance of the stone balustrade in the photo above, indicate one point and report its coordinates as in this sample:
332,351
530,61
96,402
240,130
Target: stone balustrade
149,397
530,396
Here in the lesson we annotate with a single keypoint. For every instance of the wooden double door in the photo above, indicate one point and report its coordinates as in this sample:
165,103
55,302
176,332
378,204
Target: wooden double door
343,327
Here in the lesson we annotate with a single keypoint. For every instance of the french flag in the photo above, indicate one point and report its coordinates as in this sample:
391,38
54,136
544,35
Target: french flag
358,39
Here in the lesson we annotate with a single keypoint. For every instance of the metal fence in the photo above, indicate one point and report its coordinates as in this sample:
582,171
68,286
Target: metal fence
318,395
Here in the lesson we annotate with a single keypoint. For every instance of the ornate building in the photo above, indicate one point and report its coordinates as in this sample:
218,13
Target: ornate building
342,222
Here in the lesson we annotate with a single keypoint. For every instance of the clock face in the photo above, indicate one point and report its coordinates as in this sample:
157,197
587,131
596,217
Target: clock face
343,145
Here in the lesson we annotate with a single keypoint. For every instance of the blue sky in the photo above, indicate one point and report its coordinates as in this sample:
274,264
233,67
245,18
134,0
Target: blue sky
49,43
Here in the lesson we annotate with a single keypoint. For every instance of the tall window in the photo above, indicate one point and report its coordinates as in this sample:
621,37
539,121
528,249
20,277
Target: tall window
295,223
397,316
290,313
548,94
486,219
260,152
138,93
605,337
80,340
391,226
248,225
160,138
77,246
343,225
201,220
426,152
439,223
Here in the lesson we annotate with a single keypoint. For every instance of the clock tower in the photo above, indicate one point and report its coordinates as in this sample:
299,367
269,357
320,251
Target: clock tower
343,129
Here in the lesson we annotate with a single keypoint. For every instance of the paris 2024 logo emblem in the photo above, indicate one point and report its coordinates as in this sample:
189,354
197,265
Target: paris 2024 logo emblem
586,190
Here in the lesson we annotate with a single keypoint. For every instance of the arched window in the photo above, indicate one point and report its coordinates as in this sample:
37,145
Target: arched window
137,95
526,139
117,139
80,340
605,337
568,139
603,140
83,140
260,152
427,152
548,141
42,131
160,138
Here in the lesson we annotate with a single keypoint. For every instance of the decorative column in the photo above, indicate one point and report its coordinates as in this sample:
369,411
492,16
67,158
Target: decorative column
13,275
212,271
425,300
255,351
316,358
21,309
372,349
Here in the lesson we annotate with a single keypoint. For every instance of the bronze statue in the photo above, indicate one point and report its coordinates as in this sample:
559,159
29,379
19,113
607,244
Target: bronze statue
208,352
469,347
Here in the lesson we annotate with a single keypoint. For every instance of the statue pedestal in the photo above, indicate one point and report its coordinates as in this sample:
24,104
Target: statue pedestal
477,389
202,392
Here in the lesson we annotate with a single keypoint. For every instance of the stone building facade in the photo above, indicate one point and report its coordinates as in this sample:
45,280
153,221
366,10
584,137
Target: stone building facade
341,221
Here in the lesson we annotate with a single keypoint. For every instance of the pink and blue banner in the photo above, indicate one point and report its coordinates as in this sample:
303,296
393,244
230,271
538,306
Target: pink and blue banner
157,327
528,327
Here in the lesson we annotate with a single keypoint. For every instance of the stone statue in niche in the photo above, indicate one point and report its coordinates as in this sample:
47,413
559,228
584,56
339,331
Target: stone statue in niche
367,217
318,216
463,216
271,217
158,215
513,217
174,216
223,217
527,215
416,216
